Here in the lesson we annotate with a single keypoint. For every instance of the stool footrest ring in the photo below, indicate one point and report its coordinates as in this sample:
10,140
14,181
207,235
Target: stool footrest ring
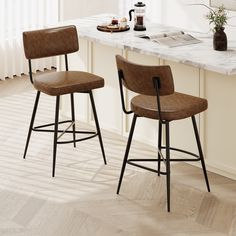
40,128
181,150
132,161
77,140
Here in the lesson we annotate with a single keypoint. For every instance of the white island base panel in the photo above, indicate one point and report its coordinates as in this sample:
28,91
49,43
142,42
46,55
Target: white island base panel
215,81
217,125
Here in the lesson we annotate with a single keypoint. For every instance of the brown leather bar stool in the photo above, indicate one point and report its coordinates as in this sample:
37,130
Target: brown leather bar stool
53,42
158,100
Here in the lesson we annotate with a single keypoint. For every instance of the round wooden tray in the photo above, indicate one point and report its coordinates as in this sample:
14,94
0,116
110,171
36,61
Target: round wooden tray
106,29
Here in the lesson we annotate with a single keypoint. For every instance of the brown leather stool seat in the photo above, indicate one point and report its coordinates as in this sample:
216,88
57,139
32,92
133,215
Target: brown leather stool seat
60,41
158,100
173,107
65,82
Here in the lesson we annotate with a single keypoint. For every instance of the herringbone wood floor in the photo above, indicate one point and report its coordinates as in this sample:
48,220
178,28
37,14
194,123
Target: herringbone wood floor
81,199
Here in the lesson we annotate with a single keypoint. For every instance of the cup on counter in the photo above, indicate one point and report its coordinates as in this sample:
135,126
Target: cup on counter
123,23
114,21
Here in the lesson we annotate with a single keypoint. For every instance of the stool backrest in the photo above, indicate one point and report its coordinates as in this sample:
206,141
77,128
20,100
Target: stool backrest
139,78
50,42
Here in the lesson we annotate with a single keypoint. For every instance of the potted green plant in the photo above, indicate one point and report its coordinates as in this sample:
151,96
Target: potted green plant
218,18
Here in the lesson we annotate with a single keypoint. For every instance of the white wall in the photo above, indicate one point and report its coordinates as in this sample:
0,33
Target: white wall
71,9
180,13
170,12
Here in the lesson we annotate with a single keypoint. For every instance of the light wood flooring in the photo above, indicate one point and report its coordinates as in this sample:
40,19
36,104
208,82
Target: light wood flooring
81,200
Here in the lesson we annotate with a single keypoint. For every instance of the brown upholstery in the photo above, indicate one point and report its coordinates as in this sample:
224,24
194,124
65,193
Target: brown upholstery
53,42
50,42
173,107
139,78
157,99
59,83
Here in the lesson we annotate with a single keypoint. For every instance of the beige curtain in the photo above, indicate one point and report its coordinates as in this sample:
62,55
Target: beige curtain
15,17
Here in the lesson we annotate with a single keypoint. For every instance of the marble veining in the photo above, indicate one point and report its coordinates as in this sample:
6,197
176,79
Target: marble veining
199,55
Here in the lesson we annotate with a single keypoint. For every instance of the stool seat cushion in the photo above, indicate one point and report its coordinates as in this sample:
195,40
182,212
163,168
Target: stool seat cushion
65,82
173,107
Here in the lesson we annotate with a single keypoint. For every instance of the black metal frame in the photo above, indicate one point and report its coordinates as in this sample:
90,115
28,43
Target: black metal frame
43,128
161,158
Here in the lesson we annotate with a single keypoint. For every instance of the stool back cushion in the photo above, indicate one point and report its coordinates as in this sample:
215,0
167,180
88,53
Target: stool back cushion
139,78
50,42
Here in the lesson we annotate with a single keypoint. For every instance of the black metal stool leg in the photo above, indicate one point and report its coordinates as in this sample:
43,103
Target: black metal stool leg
55,135
168,165
159,147
73,116
31,123
126,152
97,126
200,152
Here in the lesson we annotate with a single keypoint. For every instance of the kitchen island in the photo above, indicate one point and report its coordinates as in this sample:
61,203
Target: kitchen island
197,70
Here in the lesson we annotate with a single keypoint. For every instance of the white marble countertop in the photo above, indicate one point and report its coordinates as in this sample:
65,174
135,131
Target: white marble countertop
199,55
